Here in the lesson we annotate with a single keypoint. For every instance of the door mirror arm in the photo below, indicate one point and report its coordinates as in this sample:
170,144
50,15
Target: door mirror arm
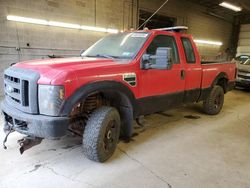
81,52
146,64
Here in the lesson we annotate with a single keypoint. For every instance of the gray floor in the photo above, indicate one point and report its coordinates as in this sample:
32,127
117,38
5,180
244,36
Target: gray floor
172,151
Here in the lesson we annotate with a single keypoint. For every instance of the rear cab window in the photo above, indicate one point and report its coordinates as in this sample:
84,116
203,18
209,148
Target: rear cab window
189,50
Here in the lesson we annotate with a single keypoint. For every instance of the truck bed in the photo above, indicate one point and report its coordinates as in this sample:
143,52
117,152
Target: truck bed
210,70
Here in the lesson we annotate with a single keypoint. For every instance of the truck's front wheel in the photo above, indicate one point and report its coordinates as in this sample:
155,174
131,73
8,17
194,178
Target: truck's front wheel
214,102
101,134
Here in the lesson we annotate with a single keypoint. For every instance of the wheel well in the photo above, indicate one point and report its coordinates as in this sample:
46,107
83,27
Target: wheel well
223,82
120,101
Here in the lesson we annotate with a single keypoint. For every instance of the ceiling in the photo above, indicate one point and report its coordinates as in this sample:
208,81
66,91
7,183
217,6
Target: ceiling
214,9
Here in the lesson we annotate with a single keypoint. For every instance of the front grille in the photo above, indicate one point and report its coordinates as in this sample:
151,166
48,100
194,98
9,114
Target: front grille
13,87
244,74
12,79
244,77
243,71
20,87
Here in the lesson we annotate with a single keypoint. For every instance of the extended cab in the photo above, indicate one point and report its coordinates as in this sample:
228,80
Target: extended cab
118,79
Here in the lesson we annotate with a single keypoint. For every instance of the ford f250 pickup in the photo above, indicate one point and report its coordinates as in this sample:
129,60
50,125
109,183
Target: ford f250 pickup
98,95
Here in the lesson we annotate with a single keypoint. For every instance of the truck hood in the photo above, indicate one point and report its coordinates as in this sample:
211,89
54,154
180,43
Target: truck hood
42,65
49,69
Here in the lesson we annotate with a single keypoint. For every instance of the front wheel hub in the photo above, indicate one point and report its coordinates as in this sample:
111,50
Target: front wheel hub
110,136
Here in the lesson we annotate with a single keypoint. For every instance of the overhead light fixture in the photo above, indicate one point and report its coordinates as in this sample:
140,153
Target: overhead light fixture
91,28
65,25
231,6
27,20
59,24
208,42
112,31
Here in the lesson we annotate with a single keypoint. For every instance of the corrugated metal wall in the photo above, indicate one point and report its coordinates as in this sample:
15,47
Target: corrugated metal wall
244,40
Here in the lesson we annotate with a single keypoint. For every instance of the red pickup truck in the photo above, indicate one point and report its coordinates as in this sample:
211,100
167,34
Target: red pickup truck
120,78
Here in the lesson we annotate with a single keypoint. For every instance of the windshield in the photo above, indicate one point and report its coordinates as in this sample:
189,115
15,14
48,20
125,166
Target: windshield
247,62
121,46
242,59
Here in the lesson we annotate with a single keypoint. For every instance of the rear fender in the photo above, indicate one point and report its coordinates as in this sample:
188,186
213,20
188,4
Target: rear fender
217,81
221,80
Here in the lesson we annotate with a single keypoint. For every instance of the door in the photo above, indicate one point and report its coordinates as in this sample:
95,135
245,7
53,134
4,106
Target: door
192,71
162,89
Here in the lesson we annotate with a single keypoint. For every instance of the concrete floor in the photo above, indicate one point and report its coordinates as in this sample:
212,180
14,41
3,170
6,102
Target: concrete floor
172,151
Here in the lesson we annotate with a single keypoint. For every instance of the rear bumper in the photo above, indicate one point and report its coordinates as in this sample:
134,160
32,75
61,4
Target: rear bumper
34,125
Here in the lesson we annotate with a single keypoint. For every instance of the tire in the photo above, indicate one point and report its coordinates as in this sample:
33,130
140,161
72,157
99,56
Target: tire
101,134
214,102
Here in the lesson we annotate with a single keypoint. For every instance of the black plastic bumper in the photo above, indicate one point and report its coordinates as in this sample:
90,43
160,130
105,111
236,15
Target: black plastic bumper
34,125
230,86
245,84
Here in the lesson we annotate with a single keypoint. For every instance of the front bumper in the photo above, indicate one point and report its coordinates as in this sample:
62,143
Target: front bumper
243,83
230,86
34,125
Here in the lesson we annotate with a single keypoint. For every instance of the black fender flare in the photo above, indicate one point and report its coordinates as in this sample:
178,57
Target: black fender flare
98,86
220,76
205,92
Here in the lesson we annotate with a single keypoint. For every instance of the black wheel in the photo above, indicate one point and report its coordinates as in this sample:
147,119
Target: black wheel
214,102
101,134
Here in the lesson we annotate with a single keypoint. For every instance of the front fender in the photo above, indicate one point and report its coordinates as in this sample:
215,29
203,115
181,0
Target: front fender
99,86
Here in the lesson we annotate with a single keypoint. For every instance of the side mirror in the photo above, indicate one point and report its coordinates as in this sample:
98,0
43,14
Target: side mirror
81,52
162,60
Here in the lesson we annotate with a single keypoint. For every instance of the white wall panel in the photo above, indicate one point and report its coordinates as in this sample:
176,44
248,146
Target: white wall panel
245,27
244,35
244,40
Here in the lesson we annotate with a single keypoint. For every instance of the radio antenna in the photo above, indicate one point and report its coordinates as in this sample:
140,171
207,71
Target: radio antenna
153,14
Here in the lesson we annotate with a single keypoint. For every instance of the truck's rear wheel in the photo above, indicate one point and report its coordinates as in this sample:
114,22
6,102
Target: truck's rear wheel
214,102
101,134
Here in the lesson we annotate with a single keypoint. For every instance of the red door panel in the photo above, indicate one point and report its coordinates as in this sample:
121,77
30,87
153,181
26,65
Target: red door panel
161,82
156,82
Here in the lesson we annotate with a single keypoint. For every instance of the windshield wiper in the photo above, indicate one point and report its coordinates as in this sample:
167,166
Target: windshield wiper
103,55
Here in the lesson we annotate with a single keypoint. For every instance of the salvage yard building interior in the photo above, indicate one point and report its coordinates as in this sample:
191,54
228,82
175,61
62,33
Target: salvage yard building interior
172,110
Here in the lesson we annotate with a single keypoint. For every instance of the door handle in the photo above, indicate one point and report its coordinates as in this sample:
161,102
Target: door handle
182,74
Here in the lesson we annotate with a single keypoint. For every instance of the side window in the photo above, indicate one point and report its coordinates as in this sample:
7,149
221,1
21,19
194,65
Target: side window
164,41
189,51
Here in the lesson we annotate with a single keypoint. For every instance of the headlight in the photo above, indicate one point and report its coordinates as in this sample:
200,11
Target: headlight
50,99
